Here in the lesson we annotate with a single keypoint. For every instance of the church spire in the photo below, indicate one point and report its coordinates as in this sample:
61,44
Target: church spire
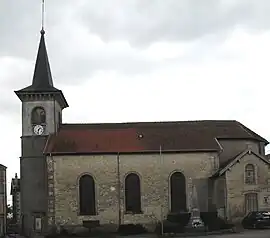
42,83
42,79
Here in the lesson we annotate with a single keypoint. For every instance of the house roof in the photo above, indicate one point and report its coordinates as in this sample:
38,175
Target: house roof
3,167
182,136
231,162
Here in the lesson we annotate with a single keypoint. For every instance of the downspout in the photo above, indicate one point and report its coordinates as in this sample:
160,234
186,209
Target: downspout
226,208
162,191
55,124
226,213
219,152
119,190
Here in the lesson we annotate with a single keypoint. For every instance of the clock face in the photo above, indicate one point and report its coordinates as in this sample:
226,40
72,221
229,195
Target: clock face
38,130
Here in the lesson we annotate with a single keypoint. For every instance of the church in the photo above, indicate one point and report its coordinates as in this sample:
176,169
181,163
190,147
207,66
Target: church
108,175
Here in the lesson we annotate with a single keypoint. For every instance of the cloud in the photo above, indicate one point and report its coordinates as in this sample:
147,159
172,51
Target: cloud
139,60
85,37
223,84
21,22
143,22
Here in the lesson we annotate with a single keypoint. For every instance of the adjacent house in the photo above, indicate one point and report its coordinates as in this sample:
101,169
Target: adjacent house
3,200
16,199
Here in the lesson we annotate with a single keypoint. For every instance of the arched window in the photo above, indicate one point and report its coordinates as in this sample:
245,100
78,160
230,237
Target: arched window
38,116
250,174
133,193
178,192
87,195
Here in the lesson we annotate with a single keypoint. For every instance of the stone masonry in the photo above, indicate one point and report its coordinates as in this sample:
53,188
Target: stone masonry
236,187
154,171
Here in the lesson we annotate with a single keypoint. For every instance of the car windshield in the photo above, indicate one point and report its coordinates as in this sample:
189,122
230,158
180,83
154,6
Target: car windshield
263,214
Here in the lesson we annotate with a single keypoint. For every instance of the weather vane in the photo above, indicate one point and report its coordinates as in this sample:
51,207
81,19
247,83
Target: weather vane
42,19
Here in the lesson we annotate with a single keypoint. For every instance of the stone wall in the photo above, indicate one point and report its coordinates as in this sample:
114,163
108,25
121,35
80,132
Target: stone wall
154,171
236,187
219,196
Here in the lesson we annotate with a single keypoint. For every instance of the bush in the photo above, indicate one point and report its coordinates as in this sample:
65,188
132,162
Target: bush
169,227
213,222
182,218
130,229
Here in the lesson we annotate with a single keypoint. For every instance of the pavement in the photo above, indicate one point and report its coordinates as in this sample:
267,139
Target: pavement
245,234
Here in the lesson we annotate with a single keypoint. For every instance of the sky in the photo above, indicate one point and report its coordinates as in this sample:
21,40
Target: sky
139,60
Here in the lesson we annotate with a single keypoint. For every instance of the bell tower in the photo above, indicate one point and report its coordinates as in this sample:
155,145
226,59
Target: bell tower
42,106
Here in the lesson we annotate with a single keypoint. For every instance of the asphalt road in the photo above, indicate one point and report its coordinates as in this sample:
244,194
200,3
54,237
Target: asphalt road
246,234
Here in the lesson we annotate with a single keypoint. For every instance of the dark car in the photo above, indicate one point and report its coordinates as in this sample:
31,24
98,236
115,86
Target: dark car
259,219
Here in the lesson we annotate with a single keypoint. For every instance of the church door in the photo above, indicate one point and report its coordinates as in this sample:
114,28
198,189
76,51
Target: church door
251,202
178,192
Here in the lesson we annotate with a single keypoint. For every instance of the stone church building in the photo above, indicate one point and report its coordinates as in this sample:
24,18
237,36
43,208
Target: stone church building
121,173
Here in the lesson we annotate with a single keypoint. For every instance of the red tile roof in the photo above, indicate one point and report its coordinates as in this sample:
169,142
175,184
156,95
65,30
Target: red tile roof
146,137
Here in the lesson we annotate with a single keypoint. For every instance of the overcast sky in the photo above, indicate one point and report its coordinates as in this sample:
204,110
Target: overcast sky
139,60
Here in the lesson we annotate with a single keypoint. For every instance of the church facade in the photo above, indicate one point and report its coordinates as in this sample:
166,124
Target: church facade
107,175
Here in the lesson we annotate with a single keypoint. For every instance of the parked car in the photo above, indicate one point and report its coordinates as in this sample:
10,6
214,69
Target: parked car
258,219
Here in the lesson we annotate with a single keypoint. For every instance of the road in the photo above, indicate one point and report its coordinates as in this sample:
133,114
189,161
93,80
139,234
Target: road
246,234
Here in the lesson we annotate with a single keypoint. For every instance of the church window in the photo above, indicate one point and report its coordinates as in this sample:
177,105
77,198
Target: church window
132,193
178,192
87,195
38,116
250,174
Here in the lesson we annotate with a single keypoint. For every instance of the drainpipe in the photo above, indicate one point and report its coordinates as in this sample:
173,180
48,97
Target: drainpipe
119,190
162,193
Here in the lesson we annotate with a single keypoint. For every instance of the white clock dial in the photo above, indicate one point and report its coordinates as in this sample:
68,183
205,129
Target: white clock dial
38,130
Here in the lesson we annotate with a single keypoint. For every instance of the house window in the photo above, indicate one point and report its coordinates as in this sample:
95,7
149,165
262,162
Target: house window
178,192
38,116
251,202
133,193
87,195
250,174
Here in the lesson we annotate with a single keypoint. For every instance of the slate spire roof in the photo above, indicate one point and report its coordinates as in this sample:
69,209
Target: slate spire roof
42,79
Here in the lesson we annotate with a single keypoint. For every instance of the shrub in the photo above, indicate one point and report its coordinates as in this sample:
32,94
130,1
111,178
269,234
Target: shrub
169,227
130,229
213,222
182,218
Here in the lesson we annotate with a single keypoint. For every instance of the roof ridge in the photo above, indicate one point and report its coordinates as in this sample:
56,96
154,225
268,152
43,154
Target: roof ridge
144,122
